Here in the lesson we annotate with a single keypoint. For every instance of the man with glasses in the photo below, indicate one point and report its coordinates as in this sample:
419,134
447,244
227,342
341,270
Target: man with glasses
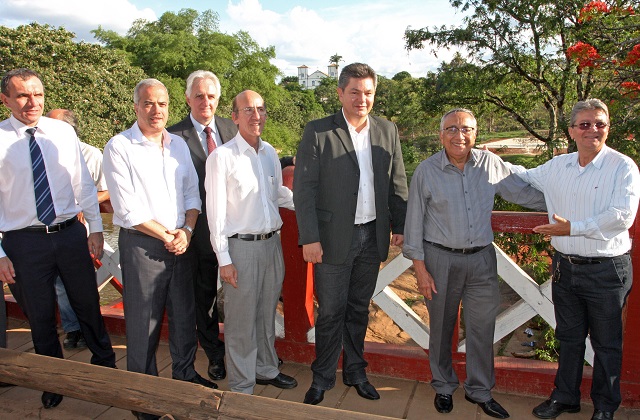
448,236
592,196
203,131
244,190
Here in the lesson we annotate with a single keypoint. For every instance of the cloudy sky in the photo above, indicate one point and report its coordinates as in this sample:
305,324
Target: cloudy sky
303,32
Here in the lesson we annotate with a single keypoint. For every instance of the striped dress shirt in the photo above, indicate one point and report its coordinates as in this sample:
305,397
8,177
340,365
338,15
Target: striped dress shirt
600,200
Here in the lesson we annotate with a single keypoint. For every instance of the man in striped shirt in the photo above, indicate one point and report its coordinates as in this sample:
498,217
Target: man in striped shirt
592,198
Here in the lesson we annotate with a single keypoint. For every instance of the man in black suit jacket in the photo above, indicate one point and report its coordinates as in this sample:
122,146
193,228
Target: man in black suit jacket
203,94
349,190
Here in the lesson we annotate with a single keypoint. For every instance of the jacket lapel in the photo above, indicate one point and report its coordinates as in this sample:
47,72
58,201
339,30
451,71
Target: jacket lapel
342,131
193,141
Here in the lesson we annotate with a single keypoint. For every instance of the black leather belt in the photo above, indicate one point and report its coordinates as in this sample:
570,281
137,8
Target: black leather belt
51,228
459,250
251,237
365,224
578,260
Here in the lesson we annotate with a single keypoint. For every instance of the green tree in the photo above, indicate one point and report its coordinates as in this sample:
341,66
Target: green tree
335,59
327,95
175,45
97,84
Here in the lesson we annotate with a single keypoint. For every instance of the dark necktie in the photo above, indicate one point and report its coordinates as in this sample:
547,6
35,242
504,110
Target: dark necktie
211,144
44,201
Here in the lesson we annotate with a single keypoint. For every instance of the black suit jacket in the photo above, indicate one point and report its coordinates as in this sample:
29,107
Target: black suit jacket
326,182
187,131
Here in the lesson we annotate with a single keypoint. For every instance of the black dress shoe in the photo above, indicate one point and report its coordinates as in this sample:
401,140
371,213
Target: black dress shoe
550,409
145,416
491,408
216,369
281,381
602,415
201,381
366,390
4,385
443,403
313,396
50,400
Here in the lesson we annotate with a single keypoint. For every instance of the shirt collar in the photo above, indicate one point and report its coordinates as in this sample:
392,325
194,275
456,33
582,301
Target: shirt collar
138,137
596,162
243,146
19,126
474,158
353,128
200,127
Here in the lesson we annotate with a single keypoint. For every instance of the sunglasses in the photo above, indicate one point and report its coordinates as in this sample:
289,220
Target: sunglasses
584,126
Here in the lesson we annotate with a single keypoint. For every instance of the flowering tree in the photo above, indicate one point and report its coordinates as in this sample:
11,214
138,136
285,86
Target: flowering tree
606,56
540,55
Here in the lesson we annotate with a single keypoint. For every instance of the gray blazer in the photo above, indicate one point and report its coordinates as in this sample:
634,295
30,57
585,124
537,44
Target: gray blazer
326,182
187,131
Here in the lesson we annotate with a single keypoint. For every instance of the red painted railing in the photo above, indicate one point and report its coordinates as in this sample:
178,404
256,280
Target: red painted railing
512,375
517,376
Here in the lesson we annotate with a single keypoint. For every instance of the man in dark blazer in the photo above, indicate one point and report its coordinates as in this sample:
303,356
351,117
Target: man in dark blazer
203,94
350,191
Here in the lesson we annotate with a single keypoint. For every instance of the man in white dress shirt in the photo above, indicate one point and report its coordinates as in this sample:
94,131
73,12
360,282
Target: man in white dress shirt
154,193
39,246
244,190
590,212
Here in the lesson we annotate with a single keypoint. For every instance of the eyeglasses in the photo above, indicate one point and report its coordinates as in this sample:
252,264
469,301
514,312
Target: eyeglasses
584,126
251,109
454,130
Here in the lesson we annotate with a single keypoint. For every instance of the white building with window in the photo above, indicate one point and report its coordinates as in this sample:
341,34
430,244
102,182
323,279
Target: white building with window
310,81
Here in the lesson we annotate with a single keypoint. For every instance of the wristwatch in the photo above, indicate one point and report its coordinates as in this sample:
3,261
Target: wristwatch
188,228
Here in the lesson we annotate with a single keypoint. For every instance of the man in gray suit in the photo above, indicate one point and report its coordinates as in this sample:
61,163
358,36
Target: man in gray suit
204,131
350,191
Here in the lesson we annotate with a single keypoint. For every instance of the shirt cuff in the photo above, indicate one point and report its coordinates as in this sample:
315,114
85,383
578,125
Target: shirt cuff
224,259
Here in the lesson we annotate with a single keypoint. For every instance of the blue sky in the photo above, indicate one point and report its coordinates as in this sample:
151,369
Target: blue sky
303,32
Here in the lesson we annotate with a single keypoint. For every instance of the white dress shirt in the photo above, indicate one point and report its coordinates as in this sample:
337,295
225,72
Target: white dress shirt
366,204
93,158
600,201
203,136
148,182
244,191
72,188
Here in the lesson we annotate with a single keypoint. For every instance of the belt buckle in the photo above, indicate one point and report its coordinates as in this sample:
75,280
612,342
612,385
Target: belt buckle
263,236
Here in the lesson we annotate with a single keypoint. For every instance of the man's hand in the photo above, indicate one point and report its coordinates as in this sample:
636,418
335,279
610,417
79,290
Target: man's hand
229,274
96,244
7,273
180,242
397,239
312,252
81,218
561,228
426,284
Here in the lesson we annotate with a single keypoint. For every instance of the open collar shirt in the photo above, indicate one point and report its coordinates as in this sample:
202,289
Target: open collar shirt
72,187
453,207
600,201
366,204
244,191
147,182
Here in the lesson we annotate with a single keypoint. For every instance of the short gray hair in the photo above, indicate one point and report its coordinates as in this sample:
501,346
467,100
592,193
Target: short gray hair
456,110
145,83
588,105
203,74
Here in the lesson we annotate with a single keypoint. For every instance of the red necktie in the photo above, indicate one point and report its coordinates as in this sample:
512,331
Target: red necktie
211,144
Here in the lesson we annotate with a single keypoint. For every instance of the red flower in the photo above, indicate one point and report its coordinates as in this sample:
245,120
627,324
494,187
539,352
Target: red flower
592,9
633,57
586,55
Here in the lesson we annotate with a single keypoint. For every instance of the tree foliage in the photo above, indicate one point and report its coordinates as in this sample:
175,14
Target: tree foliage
97,84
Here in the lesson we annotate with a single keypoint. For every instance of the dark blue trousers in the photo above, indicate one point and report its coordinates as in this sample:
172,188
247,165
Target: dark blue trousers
38,258
343,292
588,299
